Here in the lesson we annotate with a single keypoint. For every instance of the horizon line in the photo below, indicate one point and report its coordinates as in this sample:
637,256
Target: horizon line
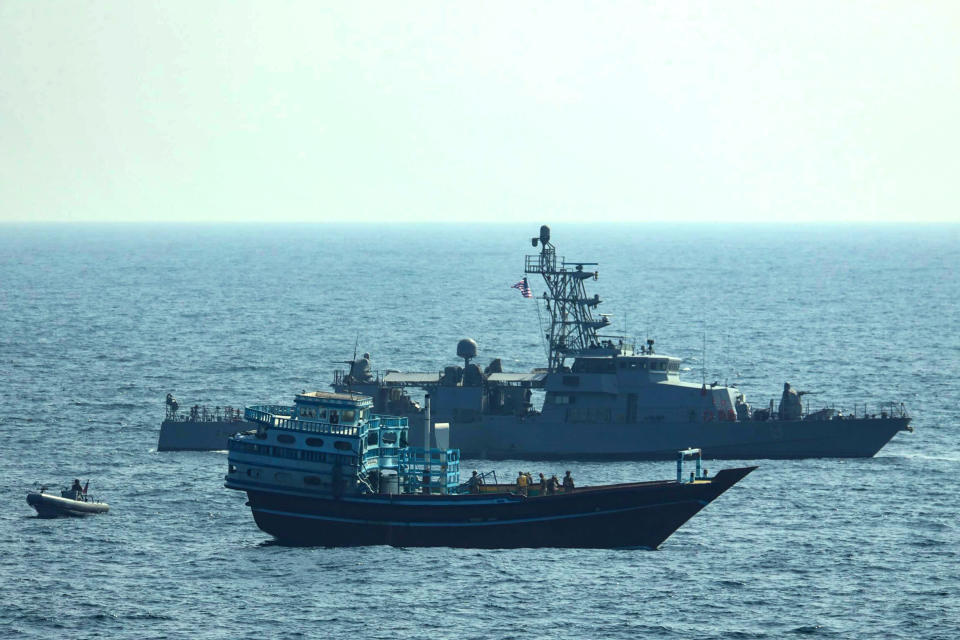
677,223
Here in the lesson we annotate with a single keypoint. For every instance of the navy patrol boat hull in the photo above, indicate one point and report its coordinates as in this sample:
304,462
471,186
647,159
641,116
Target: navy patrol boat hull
533,439
179,435
640,515
199,428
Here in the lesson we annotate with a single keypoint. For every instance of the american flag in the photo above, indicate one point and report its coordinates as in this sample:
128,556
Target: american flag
524,288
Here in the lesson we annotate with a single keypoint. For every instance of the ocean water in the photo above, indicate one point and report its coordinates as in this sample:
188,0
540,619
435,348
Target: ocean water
98,323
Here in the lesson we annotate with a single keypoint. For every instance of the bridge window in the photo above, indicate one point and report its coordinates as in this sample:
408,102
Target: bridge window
389,437
348,416
594,365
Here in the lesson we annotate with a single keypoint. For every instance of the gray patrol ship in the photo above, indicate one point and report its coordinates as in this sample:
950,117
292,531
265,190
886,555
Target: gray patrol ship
605,399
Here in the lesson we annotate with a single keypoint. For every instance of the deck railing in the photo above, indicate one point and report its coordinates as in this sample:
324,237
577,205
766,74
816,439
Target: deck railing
865,411
429,470
279,417
204,413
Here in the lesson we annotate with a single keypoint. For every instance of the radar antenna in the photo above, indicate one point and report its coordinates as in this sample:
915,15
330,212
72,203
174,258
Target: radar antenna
573,331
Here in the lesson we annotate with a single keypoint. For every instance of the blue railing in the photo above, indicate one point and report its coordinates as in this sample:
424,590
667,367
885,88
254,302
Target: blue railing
381,439
391,422
264,413
278,417
430,470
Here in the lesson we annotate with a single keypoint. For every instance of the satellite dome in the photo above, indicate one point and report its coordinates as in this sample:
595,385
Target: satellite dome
467,348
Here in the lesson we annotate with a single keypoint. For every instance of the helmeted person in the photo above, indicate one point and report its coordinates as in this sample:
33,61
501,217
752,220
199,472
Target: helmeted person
360,369
568,482
76,490
521,483
474,482
790,405
553,484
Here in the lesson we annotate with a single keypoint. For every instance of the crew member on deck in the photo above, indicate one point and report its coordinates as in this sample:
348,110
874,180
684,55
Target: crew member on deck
76,490
790,405
568,482
553,485
521,483
474,482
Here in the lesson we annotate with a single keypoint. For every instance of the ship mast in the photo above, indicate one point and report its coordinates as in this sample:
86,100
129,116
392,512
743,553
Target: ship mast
573,331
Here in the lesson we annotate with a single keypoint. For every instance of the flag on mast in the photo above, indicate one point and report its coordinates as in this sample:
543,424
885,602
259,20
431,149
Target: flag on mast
524,288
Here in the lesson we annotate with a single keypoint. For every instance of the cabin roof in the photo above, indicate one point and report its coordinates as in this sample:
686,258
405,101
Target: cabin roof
330,395
396,377
517,377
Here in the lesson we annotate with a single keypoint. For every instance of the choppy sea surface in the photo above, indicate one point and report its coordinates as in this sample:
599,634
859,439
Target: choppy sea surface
98,323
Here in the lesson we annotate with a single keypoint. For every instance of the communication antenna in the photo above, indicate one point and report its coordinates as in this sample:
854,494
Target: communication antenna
356,343
625,334
703,358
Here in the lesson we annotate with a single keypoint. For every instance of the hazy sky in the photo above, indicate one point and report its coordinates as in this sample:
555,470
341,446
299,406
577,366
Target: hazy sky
503,111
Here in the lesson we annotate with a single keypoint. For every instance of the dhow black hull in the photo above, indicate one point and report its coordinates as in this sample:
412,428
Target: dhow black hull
640,515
